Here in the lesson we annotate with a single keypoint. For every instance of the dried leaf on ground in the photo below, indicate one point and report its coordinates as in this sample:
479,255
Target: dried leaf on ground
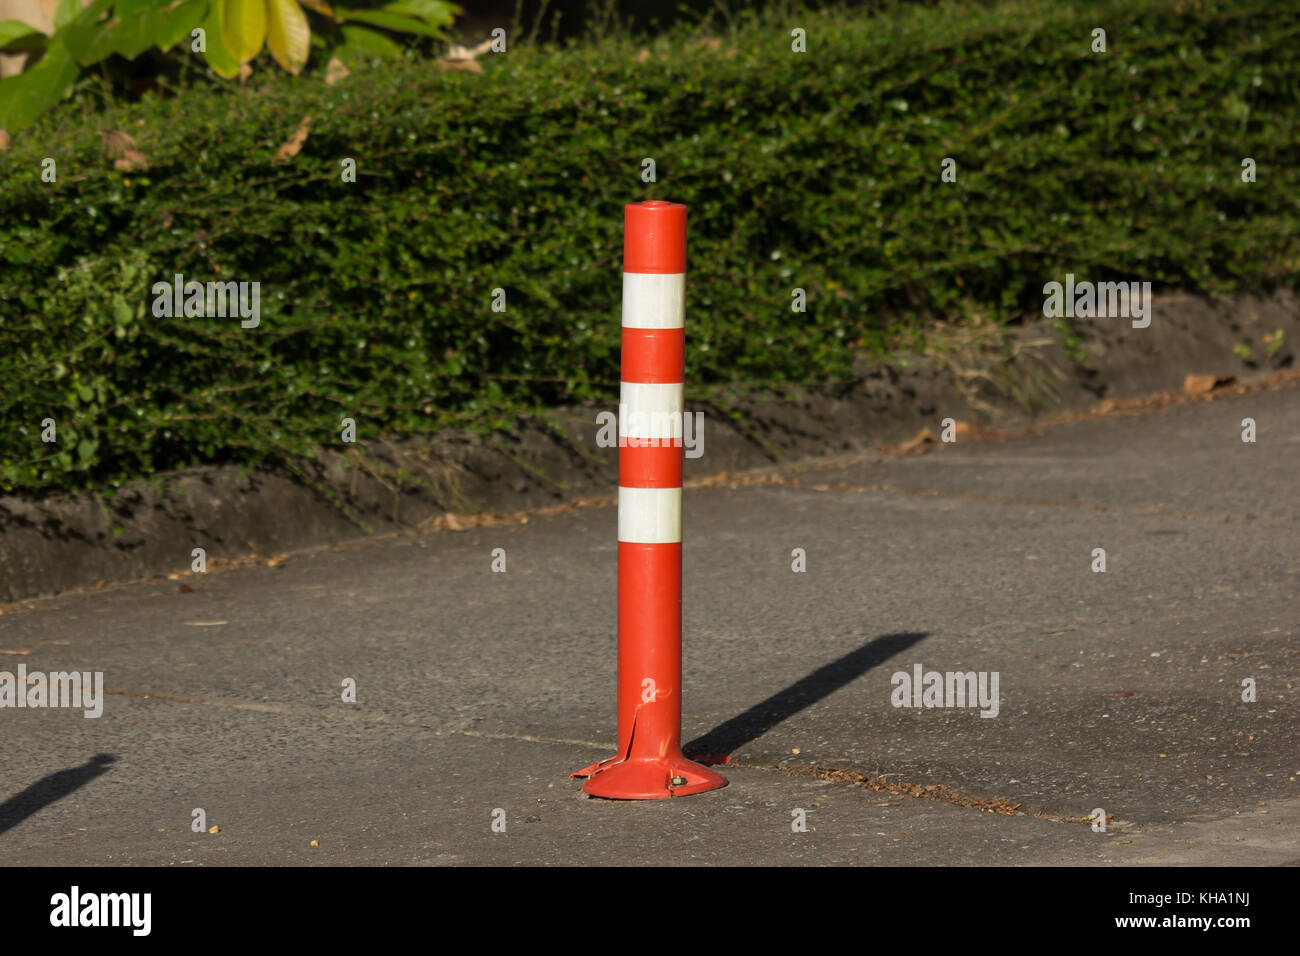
293,145
456,52
1201,384
335,71
122,150
472,66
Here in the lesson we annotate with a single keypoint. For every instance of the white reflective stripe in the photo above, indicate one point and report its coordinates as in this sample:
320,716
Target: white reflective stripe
650,515
650,411
654,301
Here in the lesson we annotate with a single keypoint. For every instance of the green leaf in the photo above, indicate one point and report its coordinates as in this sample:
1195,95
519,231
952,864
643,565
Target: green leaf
129,30
244,27
360,44
16,37
435,13
87,38
65,13
85,448
183,16
29,94
215,51
389,21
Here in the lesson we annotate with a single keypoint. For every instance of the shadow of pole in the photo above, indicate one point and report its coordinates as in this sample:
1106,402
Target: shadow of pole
725,739
50,789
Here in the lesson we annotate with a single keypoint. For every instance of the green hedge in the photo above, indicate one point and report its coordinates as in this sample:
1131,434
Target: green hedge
817,170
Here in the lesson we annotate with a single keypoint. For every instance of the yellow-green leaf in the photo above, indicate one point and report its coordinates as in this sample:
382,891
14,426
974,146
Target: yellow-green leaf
244,27
221,60
287,34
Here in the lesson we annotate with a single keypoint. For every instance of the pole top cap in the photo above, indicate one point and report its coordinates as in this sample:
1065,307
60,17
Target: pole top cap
654,237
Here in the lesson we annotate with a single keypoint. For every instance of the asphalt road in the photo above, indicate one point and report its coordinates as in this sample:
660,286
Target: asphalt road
479,691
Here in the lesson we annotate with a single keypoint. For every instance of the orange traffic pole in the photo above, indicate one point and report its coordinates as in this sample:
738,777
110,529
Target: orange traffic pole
649,764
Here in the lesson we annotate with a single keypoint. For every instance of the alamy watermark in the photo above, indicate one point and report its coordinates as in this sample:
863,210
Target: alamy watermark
641,429
82,690
75,908
1101,300
953,689
220,300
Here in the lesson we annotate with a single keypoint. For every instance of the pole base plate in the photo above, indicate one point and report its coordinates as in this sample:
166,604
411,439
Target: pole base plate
648,778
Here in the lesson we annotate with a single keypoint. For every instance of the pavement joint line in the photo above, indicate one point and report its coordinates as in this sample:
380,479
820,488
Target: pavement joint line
262,708
1032,502
293,710
530,738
